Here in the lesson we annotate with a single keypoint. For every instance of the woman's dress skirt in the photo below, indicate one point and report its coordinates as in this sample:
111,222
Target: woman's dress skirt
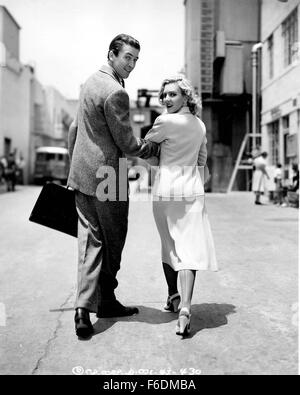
185,233
259,181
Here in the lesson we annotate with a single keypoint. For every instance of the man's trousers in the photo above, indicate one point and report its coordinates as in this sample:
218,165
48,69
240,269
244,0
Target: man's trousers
102,230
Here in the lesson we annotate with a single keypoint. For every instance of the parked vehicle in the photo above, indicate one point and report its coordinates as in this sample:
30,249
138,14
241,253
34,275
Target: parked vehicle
51,164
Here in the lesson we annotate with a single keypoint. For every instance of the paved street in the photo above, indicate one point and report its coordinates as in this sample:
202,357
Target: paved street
245,317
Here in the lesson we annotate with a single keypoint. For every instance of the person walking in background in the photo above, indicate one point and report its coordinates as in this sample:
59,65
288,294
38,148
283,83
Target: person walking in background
278,185
294,187
292,198
98,138
11,173
259,176
178,196
3,166
20,169
256,152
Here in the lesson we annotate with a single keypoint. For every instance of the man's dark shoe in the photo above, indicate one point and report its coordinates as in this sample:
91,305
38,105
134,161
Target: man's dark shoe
114,308
83,325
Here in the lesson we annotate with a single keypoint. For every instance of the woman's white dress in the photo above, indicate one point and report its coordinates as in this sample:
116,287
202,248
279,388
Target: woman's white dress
259,179
178,192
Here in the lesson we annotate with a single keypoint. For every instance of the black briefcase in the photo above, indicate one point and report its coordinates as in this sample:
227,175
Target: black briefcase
56,209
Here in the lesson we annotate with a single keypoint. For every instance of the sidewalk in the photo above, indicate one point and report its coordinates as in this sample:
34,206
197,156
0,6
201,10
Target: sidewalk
244,317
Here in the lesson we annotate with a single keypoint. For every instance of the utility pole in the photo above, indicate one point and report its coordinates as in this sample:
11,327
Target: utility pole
254,136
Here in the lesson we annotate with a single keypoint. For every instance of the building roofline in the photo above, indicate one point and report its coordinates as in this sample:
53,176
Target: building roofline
10,15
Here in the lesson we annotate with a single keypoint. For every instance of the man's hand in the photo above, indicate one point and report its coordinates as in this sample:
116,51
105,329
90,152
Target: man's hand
149,149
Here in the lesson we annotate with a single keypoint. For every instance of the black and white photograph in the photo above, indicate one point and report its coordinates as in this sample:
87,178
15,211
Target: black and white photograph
149,190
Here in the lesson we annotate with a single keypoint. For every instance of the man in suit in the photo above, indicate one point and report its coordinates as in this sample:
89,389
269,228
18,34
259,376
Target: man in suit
99,138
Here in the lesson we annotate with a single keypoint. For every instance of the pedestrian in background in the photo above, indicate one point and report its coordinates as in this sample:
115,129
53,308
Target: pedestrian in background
20,169
179,201
256,152
3,166
294,187
278,184
10,173
292,198
260,175
99,137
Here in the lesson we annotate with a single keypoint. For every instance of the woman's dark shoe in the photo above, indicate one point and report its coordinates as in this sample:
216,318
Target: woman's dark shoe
183,326
172,304
83,325
113,308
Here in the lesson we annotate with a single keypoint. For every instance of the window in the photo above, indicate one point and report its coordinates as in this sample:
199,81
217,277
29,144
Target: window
290,37
286,124
40,156
271,56
273,129
50,157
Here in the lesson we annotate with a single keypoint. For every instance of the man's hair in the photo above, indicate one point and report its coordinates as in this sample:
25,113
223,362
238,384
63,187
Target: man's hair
118,42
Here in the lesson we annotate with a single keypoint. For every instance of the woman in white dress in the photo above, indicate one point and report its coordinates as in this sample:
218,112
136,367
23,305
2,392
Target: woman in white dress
260,176
178,195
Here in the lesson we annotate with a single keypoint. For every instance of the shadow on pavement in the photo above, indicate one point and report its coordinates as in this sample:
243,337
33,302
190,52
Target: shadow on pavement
148,315
209,315
204,316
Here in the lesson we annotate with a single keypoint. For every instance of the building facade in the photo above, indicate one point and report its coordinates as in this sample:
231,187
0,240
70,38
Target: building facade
15,92
219,38
280,114
31,115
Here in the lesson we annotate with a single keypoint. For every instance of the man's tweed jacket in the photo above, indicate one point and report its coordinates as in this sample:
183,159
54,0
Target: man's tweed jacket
102,131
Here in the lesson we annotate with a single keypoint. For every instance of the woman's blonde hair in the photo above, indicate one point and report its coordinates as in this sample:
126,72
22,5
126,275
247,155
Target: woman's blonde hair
187,91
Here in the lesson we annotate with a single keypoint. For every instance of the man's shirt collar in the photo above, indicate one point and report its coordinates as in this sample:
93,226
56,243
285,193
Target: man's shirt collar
110,71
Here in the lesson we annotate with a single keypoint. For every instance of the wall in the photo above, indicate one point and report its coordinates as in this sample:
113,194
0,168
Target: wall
238,18
280,93
9,32
192,42
273,13
15,111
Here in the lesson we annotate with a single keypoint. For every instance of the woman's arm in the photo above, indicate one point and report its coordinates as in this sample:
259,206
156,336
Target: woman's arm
202,159
158,132
263,169
202,156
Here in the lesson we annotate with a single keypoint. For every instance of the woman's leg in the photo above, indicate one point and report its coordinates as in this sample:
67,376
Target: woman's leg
173,300
257,197
187,281
171,278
